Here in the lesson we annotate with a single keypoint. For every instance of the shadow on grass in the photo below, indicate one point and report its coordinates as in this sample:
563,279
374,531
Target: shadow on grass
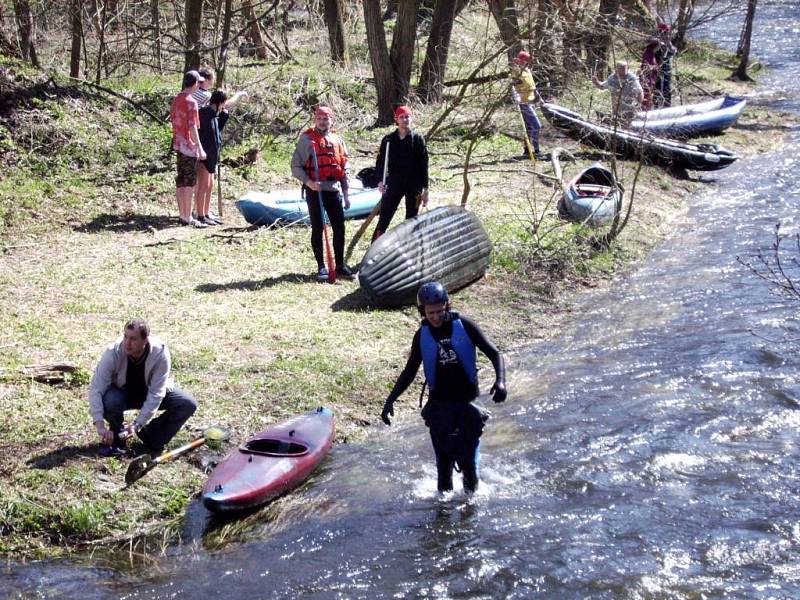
253,285
127,223
357,301
59,456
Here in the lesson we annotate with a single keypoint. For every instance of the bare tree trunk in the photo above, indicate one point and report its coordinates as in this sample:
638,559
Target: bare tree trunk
600,42
685,12
222,64
335,23
6,46
401,53
193,10
432,74
155,17
573,40
254,31
379,57
26,28
76,29
505,13
546,30
743,51
101,16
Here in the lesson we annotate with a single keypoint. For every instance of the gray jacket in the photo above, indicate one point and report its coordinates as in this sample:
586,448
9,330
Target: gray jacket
302,153
113,369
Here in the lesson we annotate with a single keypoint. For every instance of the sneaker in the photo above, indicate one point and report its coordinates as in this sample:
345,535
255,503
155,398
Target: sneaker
196,223
344,271
208,221
322,274
211,216
107,451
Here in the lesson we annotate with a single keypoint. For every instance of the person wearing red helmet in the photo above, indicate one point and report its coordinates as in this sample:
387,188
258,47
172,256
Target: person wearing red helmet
524,92
407,172
445,345
320,163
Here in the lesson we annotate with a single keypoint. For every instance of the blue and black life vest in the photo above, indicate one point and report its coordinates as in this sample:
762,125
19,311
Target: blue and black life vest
462,345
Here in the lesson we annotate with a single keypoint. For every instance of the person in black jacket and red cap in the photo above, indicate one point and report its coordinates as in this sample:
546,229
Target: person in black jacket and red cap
445,345
407,173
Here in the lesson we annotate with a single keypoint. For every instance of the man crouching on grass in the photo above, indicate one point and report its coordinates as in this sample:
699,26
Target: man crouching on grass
134,373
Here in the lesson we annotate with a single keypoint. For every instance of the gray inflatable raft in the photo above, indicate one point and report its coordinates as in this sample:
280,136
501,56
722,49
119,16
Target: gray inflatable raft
446,244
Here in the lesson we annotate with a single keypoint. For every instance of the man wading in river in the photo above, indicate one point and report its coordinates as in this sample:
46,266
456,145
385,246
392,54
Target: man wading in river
445,345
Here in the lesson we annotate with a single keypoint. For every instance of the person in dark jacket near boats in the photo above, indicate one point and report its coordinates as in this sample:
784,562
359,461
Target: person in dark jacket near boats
445,345
407,172
662,98
213,117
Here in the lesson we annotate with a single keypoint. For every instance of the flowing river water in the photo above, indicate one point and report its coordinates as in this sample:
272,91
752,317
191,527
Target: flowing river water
648,452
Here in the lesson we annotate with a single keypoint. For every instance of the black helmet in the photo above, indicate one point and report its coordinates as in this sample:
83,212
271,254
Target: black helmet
431,293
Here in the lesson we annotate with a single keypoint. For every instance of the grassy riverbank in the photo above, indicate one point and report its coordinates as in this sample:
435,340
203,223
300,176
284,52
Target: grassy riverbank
90,239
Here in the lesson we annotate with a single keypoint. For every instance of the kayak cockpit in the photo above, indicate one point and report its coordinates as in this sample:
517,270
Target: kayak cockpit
274,447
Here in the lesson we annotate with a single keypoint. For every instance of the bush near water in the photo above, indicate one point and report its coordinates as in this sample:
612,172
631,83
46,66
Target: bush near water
90,238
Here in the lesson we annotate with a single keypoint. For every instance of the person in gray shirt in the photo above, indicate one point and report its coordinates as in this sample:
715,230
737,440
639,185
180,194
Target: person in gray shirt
626,92
134,373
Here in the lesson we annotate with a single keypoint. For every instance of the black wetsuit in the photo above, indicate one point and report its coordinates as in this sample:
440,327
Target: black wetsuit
455,424
407,175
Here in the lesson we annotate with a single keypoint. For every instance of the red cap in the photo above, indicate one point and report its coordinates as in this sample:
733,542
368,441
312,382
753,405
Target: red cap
663,27
402,110
522,57
323,111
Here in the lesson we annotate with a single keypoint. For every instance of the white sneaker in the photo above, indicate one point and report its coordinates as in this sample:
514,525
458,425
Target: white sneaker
195,223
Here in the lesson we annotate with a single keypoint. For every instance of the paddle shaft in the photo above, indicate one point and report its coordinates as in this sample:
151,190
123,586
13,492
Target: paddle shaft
219,189
386,164
141,465
328,249
376,209
173,454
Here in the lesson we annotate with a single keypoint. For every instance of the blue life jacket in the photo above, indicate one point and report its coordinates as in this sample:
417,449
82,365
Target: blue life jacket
462,345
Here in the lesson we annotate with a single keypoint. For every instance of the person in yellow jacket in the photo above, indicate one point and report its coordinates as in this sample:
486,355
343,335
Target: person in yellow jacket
524,93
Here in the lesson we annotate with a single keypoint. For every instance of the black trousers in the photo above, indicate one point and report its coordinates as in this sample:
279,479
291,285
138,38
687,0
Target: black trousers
177,405
332,204
389,203
456,449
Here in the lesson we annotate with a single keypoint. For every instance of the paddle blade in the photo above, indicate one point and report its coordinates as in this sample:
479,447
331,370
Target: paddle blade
329,256
215,436
138,467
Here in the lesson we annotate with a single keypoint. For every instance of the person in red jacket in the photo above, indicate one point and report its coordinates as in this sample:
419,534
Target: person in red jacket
328,176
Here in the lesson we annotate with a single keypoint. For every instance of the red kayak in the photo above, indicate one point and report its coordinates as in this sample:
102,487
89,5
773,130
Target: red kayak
270,463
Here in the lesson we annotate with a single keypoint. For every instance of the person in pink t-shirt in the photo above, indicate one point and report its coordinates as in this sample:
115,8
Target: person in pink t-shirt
186,143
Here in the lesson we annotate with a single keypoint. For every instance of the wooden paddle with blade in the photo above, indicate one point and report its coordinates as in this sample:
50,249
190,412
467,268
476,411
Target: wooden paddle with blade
375,210
143,464
328,250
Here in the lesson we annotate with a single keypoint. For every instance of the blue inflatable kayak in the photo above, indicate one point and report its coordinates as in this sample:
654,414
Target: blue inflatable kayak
288,207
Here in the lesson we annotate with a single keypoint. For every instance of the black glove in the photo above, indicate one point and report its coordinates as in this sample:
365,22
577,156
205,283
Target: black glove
388,410
498,391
